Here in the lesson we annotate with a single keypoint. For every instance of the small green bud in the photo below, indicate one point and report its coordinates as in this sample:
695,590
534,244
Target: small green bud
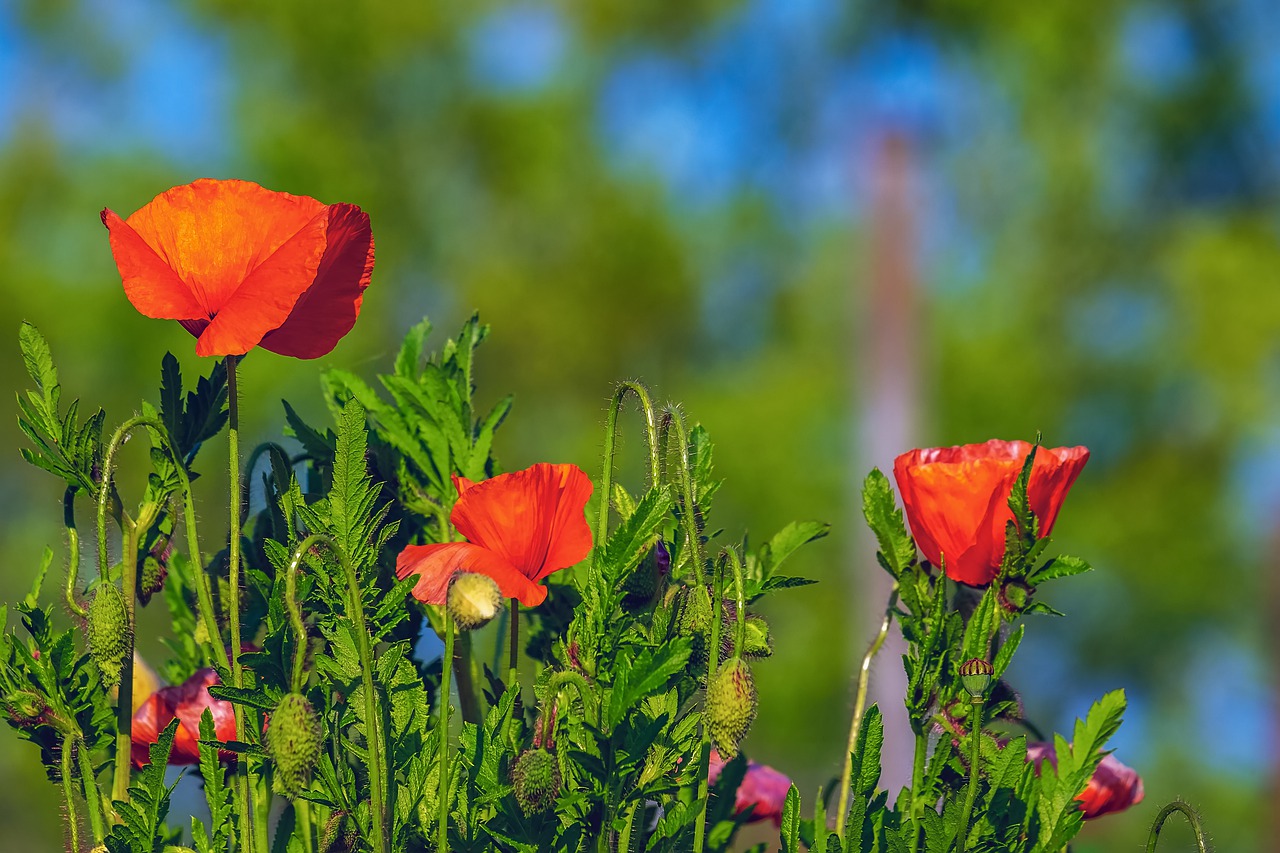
730,706
25,708
473,600
110,640
536,778
151,579
294,741
695,622
1014,596
758,642
975,675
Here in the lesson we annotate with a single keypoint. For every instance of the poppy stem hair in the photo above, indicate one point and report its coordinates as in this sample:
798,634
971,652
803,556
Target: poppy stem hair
295,612
610,439
674,417
442,799
73,552
1192,816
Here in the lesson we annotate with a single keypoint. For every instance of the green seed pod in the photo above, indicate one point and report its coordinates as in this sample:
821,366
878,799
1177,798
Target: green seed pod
473,600
730,706
536,777
294,741
758,643
975,675
110,640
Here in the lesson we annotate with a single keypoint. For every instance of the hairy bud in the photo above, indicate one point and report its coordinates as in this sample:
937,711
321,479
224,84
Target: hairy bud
758,643
25,708
151,579
695,622
730,706
110,640
536,777
473,600
643,584
294,741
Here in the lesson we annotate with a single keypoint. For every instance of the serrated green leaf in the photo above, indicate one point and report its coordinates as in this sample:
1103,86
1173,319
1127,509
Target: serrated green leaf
886,521
790,829
1059,567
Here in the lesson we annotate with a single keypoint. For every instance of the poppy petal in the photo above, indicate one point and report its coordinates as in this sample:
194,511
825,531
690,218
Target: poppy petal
435,565
329,308
150,283
1052,475
265,298
533,518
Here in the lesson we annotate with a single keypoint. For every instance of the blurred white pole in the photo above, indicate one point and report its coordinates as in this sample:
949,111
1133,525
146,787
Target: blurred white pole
887,400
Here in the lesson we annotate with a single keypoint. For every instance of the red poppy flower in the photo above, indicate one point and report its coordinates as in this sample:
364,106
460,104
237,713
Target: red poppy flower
520,527
957,499
187,702
240,266
763,790
1112,788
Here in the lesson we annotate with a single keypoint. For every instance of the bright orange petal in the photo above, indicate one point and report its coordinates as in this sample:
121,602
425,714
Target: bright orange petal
435,565
1052,475
329,308
533,518
151,285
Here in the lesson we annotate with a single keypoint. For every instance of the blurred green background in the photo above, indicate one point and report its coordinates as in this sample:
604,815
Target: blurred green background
833,230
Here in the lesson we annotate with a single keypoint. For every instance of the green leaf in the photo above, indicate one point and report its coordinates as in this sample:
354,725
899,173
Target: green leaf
216,792
409,360
39,362
897,549
1028,525
1059,567
790,829
864,775
647,673
632,539
791,538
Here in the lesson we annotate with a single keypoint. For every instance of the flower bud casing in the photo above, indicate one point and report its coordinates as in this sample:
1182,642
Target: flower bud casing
536,778
294,740
730,706
473,600
110,640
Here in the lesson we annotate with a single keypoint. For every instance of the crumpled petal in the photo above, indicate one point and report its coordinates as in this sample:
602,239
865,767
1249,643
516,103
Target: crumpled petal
762,789
532,518
436,565
1113,787
186,702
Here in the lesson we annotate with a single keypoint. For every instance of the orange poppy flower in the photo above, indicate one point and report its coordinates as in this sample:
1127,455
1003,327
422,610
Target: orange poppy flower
520,527
240,266
957,499
1113,787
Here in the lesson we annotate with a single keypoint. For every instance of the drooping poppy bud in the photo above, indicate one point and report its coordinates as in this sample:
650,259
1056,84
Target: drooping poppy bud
25,708
643,584
151,578
730,706
294,740
694,622
758,642
110,640
975,675
536,778
473,600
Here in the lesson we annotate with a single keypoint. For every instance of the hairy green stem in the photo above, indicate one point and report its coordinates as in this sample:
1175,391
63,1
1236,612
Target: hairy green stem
859,705
295,614
975,758
302,811
244,772
73,553
713,664
610,440
69,794
917,780
1202,844
513,646
254,455
688,513
442,837
740,602
92,796
124,696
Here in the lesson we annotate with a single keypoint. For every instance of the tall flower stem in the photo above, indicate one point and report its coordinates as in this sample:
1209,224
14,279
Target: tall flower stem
975,757
464,664
69,793
295,617
244,770
73,553
917,780
92,796
859,705
713,664
1192,817
688,513
513,647
442,837
610,440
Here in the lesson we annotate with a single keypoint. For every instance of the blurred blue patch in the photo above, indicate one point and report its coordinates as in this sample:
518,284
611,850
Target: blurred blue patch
518,49
1157,48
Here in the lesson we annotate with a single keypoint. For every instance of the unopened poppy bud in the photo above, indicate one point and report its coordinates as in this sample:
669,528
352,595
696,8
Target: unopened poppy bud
294,740
151,579
536,778
695,622
758,642
110,640
25,708
975,675
473,600
730,706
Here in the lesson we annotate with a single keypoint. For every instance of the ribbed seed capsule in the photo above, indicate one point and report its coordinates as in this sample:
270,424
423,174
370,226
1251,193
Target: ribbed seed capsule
730,706
110,640
294,741
536,778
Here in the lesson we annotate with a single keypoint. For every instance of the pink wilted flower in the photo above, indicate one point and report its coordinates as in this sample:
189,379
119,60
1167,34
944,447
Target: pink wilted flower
1113,787
186,702
763,790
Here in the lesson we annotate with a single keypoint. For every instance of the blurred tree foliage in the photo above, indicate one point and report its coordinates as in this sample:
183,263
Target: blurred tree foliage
1108,272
